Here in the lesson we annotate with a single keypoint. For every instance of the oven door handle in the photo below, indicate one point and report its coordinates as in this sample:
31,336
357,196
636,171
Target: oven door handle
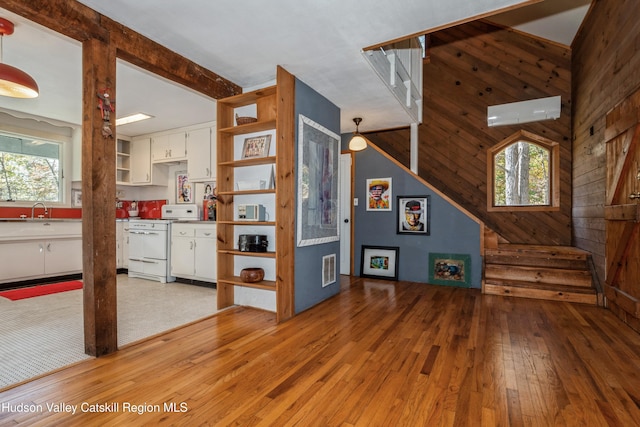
147,261
145,233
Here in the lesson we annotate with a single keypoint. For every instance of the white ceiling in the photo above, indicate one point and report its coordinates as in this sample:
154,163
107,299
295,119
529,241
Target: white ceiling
319,42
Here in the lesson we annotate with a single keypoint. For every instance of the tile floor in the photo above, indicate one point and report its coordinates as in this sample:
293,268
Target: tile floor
39,335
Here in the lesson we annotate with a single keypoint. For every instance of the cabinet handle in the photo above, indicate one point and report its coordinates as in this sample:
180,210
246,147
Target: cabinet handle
207,234
41,248
207,174
48,247
192,245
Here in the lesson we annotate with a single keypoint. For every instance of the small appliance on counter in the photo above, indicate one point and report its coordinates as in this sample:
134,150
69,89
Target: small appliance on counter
183,212
133,210
252,243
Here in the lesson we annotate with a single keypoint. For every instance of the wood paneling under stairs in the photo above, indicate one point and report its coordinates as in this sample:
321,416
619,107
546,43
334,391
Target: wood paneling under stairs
558,273
473,66
379,353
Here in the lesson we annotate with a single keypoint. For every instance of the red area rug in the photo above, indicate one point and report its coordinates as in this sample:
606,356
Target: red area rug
36,291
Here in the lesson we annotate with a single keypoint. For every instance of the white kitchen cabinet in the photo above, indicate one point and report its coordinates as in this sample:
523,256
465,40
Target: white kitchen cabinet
141,161
205,255
33,259
123,161
169,147
193,251
122,244
63,256
125,244
35,249
21,260
201,154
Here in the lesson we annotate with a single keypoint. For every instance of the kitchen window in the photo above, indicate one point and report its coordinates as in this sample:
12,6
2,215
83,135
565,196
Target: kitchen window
524,173
30,169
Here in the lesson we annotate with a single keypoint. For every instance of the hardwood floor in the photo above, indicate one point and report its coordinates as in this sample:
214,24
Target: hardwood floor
379,353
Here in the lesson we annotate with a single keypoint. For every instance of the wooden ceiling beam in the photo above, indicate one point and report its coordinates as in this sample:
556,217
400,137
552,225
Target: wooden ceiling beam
79,22
151,56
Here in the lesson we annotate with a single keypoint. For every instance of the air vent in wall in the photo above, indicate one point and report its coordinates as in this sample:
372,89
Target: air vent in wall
328,269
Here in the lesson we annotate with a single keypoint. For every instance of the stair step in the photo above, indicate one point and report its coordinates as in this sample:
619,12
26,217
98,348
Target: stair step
510,258
541,291
567,277
538,251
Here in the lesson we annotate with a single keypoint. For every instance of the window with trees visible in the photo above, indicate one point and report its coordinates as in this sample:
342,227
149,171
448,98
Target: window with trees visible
523,173
30,169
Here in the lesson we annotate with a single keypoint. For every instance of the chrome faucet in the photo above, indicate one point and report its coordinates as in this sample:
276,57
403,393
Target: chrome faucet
46,211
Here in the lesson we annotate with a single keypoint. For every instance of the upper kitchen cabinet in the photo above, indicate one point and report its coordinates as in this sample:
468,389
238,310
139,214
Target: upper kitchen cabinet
123,160
143,172
171,147
201,154
141,161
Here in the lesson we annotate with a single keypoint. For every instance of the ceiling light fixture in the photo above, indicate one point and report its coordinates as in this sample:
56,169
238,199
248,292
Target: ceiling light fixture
13,81
357,142
132,118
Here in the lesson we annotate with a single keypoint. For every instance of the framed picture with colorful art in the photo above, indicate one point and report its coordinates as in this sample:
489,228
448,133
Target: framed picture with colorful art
379,262
413,215
183,188
450,269
379,194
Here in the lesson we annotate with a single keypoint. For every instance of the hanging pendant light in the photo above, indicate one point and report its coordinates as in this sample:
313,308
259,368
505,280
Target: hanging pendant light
357,142
13,81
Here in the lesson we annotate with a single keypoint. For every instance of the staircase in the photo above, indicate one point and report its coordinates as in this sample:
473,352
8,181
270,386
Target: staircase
559,273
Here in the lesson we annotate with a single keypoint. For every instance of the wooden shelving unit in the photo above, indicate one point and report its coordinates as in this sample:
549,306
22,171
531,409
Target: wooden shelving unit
274,107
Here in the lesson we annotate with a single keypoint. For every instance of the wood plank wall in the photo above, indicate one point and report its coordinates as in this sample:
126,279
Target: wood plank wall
473,66
606,60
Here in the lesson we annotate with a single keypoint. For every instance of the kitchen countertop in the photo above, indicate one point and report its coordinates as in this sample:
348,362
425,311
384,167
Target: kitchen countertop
40,220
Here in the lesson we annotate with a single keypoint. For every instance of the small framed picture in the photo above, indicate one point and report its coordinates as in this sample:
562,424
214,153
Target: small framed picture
184,193
257,146
413,215
379,262
450,269
379,194
76,198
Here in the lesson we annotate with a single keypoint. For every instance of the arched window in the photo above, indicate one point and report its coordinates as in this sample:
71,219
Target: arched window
523,173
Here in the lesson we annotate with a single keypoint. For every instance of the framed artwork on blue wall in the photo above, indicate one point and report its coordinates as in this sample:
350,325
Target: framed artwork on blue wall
450,269
413,215
318,183
379,262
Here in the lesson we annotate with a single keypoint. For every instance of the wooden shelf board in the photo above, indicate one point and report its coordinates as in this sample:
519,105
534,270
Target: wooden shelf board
249,128
238,192
248,98
249,223
250,162
243,253
269,285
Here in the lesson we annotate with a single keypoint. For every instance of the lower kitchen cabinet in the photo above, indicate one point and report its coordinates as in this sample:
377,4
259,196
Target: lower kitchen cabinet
62,256
193,251
40,258
122,244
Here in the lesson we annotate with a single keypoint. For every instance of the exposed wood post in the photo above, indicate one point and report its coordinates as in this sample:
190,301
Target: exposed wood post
98,194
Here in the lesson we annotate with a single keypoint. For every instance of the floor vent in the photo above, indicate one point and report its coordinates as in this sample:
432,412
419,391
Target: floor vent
328,269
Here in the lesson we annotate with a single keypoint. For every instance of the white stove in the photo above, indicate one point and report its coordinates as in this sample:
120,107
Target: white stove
150,245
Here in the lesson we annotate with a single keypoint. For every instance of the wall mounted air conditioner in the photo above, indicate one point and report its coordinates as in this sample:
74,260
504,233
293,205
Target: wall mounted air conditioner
524,111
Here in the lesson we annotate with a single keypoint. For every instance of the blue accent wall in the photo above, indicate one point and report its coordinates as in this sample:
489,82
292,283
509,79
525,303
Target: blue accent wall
308,259
451,231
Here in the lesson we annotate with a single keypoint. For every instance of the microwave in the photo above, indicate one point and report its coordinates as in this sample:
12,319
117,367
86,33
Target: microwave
251,213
